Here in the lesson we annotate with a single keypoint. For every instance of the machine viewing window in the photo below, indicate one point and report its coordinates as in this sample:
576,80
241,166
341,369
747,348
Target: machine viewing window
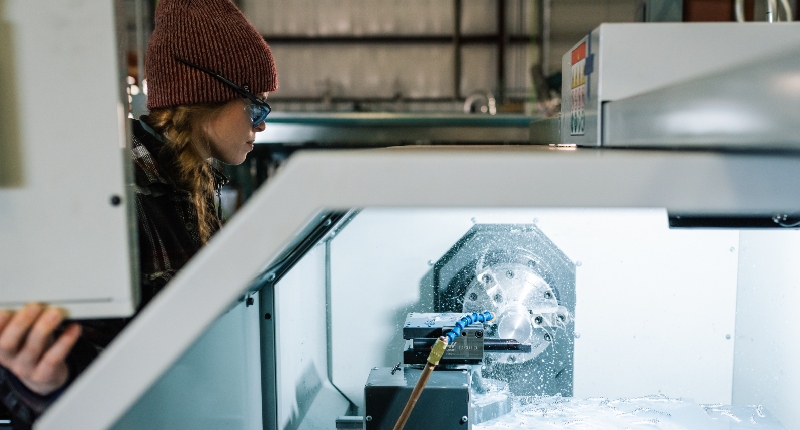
602,318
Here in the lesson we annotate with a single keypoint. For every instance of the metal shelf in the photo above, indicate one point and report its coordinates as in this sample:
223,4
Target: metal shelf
475,39
385,129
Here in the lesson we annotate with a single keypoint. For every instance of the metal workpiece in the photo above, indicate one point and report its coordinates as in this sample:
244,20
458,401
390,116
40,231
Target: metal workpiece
442,404
756,106
382,129
519,274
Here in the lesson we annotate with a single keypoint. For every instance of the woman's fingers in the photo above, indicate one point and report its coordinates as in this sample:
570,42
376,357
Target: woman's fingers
15,330
38,338
5,317
56,355
28,348
5,356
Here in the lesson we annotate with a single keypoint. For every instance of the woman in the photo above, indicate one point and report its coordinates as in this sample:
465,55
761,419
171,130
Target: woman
209,72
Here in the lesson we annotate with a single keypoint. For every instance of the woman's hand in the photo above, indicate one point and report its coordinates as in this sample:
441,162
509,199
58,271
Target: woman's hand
29,349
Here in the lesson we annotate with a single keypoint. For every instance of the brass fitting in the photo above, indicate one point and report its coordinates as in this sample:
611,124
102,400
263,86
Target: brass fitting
437,351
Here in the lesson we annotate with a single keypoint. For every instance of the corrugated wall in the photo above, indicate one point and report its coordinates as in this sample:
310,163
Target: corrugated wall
419,60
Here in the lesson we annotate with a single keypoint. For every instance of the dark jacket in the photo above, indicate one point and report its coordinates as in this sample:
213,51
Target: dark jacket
168,238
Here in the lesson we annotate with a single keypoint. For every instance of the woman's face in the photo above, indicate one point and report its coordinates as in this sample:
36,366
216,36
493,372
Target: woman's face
232,133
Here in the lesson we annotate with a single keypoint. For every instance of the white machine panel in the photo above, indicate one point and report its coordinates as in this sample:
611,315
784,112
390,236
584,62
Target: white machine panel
65,216
616,61
212,386
303,381
767,345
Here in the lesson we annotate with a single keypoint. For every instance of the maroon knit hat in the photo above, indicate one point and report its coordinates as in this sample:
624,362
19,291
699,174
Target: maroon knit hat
212,34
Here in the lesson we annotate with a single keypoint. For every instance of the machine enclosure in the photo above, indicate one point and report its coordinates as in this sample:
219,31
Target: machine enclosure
616,61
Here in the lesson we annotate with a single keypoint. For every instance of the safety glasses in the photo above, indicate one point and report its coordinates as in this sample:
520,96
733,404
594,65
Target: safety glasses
256,108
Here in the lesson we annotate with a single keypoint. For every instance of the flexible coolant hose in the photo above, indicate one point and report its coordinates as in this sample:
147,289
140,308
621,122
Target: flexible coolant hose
437,351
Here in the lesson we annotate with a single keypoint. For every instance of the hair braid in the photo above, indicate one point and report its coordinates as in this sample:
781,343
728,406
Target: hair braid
182,127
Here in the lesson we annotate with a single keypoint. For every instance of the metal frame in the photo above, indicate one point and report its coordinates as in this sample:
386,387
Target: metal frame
312,183
380,129
269,391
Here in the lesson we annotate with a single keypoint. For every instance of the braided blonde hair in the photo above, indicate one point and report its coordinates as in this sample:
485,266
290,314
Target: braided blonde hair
186,138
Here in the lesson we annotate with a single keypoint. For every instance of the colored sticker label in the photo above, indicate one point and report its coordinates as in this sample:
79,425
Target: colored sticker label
578,91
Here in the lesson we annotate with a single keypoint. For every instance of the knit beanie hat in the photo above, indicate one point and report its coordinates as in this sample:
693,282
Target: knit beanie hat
212,34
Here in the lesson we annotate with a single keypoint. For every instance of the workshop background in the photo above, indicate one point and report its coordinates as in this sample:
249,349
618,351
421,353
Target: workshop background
415,57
